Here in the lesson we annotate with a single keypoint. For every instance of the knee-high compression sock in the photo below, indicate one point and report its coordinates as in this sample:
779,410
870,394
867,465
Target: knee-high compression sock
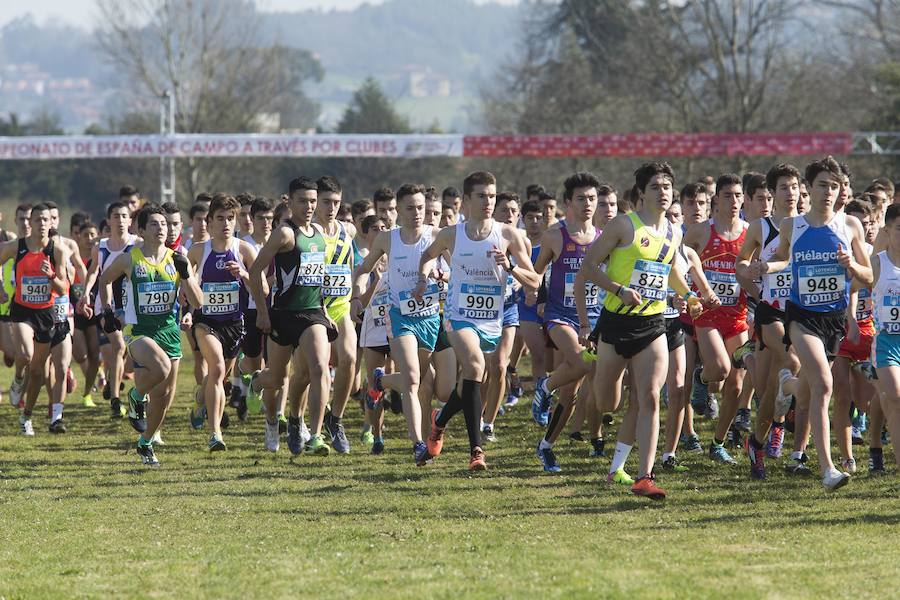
555,418
453,406
471,406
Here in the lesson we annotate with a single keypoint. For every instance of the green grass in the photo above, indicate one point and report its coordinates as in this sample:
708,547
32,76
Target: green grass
80,517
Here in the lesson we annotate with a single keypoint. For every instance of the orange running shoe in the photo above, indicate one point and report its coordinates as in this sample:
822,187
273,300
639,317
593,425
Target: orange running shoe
435,439
476,462
645,486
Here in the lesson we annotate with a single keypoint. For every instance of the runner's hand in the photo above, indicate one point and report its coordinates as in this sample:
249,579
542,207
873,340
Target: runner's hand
110,321
500,258
263,323
757,269
235,269
630,297
419,290
187,320
87,310
356,310
845,259
584,333
47,268
695,307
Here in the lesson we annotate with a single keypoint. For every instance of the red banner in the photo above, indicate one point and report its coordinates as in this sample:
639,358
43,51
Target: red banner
658,144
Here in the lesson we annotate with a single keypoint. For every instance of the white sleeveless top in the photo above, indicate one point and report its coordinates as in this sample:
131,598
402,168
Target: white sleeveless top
477,283
403,275
887,295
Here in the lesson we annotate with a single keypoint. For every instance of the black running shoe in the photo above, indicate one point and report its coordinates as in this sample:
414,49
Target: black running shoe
58,426
148,456
115,409
225,422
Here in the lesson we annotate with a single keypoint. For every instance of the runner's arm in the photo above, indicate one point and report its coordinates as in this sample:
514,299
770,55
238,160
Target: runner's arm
248,255
119,267
857,261
361,293
90,279
279,240
522,270
8,250
60,279
77,262
188,286
746,272
782,257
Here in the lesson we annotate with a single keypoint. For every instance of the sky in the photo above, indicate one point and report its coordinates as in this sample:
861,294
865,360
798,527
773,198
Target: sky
82,12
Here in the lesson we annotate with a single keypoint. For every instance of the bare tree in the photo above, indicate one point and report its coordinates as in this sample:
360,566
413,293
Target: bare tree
880,20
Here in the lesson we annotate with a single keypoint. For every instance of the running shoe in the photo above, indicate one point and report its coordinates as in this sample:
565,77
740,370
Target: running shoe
234,398
71,382
198,417
295,445
335,428
597,447
305,433
782,400
735,437
646,486
435,441
136,413
377,374
107,395
720,455
225,421
396,402
254,396
272,436
849,465
25,426
420,454
282,424
738,356
620,477
797,466
789,417
608,419
378,446
373,398
511,400
148,456
699,393
876,461
742,420
316,445
775,441
856,436
157,439
673,464
487,433
576,436
476,460
548,459
241,409
115,409
87,401
835,479
540,405
58,426
757,459
216,443
711,408
366,437
691,444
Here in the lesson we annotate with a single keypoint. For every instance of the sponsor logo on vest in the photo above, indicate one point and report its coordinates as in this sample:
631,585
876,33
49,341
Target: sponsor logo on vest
140,270
815,256
645,242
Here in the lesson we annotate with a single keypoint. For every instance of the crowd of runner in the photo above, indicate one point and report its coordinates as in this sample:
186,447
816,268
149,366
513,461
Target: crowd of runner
776,294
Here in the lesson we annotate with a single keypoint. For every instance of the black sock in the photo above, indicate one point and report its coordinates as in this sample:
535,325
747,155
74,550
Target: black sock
753,441
471,407
875,451
294,421
555,418
453,406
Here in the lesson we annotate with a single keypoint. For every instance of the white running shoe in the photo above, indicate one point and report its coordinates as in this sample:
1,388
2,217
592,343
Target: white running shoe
25,426
835,479
157,439
15,392
305,434
272,439
849,465
782,400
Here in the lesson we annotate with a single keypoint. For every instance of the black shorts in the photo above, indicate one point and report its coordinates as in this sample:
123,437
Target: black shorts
627,334
4,318
253,337
82,322
383,350
229,333
674,333
60,332
830,327
765,314
40,320
442,342
288,326
688,329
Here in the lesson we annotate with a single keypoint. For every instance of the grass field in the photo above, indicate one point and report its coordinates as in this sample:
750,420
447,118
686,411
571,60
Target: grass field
80,517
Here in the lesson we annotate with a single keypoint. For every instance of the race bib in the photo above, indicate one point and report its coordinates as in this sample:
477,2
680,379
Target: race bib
61,309
480,301
864,305
889,314
508,297
591,292
312,269
650,279
427,306
221,298
821,284
778,285
336,282
36,290
155,297
379,308
442,291
725,286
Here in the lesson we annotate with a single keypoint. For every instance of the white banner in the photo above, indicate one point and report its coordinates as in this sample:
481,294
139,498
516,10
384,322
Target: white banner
229,145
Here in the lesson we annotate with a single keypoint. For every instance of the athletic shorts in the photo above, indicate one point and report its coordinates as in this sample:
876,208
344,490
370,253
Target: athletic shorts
167,338
229,333
425,329
60,332
487,343
629,335
766,314
727,328
559,321
101,335
862,349
674,334
40,320
339,312
827,326
886,350
528,313
252,344
383,350
510,315
288,326
442,342
82,322
688,327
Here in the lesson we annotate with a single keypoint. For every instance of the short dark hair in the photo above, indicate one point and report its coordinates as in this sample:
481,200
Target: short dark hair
221,203
431,194
874,200
753,183
261,204
368,222
203,197
409,189
507,197
824,165
581,179
887,183
893,211
859,206
128,190
778,171
280,210
78,217
327,183
845,169
113,207
531,206
87,225
477,178
23,208
534,189
197,208
39,207
544,196
383,194
727,179
301,183
244,198
691,190
143,214
170,208
605,189
361,206
647,171
449,192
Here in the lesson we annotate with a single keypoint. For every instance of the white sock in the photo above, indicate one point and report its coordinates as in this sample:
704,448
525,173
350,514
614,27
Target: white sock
666,455
486,424
545,444
56,412
620,456
796,455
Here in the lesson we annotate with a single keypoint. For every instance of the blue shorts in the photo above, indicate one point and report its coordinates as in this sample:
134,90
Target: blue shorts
528,313
511,315
886,350
425,329
486,342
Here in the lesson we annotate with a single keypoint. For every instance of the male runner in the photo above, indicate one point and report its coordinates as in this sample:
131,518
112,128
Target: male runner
385,204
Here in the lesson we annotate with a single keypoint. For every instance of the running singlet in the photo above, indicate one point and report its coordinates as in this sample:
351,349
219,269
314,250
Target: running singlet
106,257
775,287
718,259
374,331
336,285
643,266
560,304
477,283
151,291
300,273
403,275
671,312
221,290
819,283
33,289
887,295
864,302
247,299
9,285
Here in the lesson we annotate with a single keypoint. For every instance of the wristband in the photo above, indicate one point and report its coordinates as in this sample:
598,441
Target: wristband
619,291
511,268
690,294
